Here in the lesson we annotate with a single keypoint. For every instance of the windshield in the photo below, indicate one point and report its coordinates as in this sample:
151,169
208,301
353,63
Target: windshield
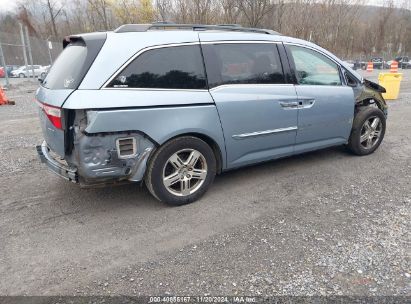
66,72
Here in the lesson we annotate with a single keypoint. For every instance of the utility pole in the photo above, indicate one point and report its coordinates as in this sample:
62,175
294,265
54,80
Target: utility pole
24,47
3,62
49,47
29,48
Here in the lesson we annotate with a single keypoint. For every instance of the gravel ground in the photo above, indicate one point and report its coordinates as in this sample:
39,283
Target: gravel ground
321,223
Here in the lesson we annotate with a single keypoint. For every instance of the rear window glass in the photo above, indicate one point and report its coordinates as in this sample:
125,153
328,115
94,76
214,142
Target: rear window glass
66,72
179,67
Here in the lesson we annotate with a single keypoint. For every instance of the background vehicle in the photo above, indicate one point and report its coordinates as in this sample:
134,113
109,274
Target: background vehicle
378,62
350,63
23,72
44,71
359,64
178,106
11,68
403,62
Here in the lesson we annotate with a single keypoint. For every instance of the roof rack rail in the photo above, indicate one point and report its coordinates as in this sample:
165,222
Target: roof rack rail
195,27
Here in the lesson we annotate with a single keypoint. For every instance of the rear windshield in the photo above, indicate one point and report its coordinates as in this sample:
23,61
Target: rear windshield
66,71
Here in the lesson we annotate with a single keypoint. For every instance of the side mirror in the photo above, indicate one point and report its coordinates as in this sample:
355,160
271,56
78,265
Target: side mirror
351,81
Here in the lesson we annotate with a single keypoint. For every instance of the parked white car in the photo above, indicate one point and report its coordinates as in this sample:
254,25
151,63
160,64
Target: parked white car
23,71
350,63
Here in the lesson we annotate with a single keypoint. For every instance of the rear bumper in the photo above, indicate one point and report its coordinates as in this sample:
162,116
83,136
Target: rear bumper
61,170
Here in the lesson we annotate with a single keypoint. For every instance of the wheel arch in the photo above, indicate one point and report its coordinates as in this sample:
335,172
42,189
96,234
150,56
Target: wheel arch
218,153
369,102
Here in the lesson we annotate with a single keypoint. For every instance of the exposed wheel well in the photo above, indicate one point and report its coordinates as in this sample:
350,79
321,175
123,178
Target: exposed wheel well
368,102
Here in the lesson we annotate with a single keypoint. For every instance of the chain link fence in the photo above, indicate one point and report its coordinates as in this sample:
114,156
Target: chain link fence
41,52
20,49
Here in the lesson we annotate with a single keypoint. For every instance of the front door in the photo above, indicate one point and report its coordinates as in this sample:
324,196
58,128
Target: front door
326,105
258,110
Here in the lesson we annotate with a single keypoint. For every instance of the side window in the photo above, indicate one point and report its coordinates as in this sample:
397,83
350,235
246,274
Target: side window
179,67
313,68
242,63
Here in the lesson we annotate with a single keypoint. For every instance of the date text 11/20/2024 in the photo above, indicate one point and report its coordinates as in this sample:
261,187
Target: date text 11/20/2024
202,299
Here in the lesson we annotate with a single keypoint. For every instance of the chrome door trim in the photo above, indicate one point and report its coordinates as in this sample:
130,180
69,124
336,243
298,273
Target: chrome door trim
156,89
266,132
289,105
240,41
248,85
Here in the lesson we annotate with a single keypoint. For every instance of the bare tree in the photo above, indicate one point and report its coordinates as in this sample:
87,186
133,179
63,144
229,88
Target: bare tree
54,11
345,27
101,8
230,11
254,11
164,9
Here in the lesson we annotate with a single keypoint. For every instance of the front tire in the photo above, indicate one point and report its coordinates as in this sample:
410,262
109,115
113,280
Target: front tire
21,75
181,171
368,131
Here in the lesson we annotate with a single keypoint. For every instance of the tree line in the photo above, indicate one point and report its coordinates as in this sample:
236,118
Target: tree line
349,28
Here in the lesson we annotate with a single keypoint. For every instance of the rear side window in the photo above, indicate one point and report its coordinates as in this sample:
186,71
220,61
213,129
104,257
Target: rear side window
313,68
243,63
179,67
66,72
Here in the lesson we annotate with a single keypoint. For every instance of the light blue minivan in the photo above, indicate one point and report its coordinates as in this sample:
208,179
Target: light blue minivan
173,105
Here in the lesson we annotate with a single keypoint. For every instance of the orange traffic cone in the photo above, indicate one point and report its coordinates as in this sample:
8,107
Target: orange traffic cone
370,66
394,67
3,97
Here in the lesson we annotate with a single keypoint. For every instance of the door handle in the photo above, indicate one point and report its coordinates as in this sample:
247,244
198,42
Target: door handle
289,104
306,103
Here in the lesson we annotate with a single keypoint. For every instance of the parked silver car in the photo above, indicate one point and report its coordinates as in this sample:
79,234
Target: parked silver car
24,72
174,105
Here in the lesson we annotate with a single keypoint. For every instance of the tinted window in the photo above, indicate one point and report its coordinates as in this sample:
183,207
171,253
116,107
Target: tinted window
178,67
242,63
66,72
313,68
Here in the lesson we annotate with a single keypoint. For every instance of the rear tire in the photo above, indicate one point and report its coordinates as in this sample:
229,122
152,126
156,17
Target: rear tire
368,131
181,171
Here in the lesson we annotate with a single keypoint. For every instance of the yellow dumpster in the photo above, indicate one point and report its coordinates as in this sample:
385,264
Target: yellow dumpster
391,82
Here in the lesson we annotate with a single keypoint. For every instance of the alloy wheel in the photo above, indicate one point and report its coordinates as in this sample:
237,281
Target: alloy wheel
185,172
371,132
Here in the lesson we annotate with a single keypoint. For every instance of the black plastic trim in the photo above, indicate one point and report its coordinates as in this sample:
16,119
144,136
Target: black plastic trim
288,75
291,65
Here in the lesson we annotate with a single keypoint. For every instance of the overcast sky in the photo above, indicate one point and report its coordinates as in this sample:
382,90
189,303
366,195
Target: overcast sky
9,5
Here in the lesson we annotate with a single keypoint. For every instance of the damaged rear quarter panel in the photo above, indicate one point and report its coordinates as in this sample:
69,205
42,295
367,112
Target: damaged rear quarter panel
160,123
151,116
98,159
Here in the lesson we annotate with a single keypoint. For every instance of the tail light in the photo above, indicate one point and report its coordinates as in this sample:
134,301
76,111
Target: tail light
53,114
